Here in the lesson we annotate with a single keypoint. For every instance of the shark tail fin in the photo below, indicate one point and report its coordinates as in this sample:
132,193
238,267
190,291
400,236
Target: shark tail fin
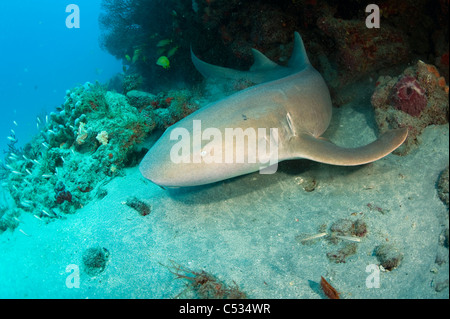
215,71
323,151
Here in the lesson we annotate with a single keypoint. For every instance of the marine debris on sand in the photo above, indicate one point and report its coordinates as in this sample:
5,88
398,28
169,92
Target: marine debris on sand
203,285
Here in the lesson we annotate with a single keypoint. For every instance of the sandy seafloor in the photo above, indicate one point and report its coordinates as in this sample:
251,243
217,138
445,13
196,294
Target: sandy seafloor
244,230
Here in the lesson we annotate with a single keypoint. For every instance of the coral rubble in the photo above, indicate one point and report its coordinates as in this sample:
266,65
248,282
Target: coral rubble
95,260
203,285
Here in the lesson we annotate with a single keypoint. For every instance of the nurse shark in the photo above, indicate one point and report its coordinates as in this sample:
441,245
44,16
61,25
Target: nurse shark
290,107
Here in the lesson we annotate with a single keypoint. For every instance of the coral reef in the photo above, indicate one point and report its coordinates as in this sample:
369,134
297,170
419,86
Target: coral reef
223,32
91,137
8,214
62,194
362,50
133,30
408,96
102,137
72,153
166,108
415,99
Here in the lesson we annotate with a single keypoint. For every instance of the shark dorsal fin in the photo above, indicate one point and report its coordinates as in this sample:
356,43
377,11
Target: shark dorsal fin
261,62
299,58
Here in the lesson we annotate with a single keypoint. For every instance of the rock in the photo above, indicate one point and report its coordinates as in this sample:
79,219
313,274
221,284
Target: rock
95,260
441,285
443,238
341,255
363,50
347,227
415,99
309,184
140,99
389,256
342,226
408,96
442,187
142,208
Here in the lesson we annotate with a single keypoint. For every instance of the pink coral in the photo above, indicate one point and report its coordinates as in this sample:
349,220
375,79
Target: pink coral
408,96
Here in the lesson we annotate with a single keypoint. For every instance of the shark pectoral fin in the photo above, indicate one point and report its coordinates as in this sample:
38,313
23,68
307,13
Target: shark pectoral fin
320,150
215,71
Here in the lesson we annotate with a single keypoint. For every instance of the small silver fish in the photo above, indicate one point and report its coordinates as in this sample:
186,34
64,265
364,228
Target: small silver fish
46,213
306,239
349,238
24,233
24,204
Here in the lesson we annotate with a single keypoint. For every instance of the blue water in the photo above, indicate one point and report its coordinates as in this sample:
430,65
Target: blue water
42,58
244,231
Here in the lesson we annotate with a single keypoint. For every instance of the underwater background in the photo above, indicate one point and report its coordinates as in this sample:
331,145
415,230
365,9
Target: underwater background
43,58
82,106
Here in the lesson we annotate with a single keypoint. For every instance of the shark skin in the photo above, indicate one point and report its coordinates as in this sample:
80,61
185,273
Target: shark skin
294,100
